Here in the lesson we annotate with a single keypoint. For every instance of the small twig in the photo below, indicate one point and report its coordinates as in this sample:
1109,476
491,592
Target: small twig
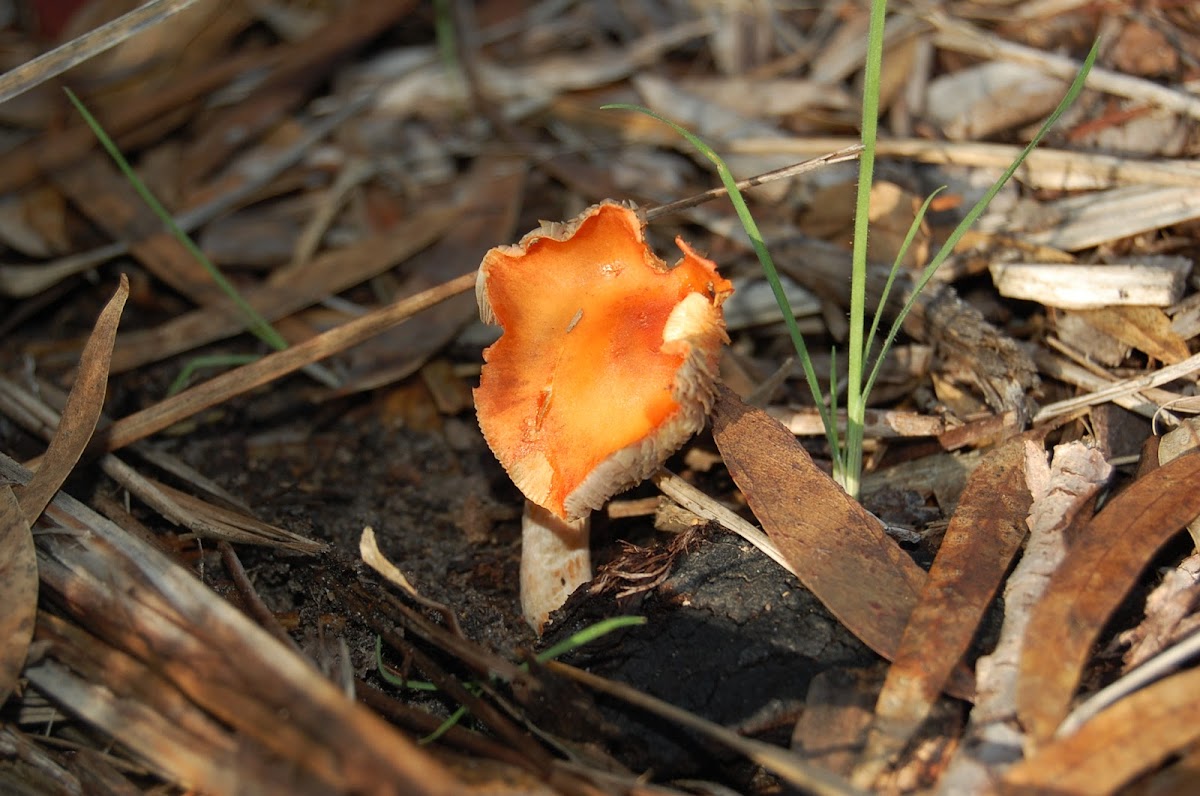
1121,389
704,506
110,34
180,406
840,156
1044,168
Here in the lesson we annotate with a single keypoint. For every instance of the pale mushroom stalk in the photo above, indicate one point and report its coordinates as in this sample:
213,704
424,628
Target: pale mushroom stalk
606,366
555,561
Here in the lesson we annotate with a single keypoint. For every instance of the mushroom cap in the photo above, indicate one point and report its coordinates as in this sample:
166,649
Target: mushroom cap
608,359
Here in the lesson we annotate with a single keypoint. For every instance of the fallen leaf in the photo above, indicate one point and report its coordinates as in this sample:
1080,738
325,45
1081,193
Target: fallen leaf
1100,569
1063,495
81,413
839,551
1130,738
985,533
18,590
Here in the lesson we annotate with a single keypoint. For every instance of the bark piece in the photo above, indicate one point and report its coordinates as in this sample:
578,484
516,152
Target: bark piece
1156,282
964,343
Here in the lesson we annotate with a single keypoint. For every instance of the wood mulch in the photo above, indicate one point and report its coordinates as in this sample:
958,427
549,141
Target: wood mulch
190,598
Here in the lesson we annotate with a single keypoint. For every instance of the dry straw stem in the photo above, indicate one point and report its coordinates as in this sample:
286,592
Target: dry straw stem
842,155
1080,373
1121,389
705,507
109,35
1052,169
241,380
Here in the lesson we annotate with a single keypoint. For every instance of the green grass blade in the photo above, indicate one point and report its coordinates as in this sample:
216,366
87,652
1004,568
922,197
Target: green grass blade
913,228
576,640
856,353
973,215
258,325
838,459
213,361
391,679
588,635
444,727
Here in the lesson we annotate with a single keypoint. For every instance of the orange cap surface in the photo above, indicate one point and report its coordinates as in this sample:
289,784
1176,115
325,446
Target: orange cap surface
607,362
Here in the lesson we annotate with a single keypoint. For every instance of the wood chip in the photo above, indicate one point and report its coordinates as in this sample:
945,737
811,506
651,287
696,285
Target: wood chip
1158,283
1081,222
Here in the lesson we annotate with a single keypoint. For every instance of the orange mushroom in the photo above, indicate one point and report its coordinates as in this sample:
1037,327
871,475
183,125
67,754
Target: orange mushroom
606,366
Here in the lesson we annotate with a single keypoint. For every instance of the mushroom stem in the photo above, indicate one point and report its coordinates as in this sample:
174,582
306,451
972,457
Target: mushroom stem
555,561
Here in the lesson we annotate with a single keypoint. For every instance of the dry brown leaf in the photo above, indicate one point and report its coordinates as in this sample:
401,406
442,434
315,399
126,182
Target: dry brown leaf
839,551
1062,491
1130,738
81,413
1100,569
985,533
18,590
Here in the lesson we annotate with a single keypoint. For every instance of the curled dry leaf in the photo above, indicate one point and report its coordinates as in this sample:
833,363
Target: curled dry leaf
18,590
81,413
1109,555
20,506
